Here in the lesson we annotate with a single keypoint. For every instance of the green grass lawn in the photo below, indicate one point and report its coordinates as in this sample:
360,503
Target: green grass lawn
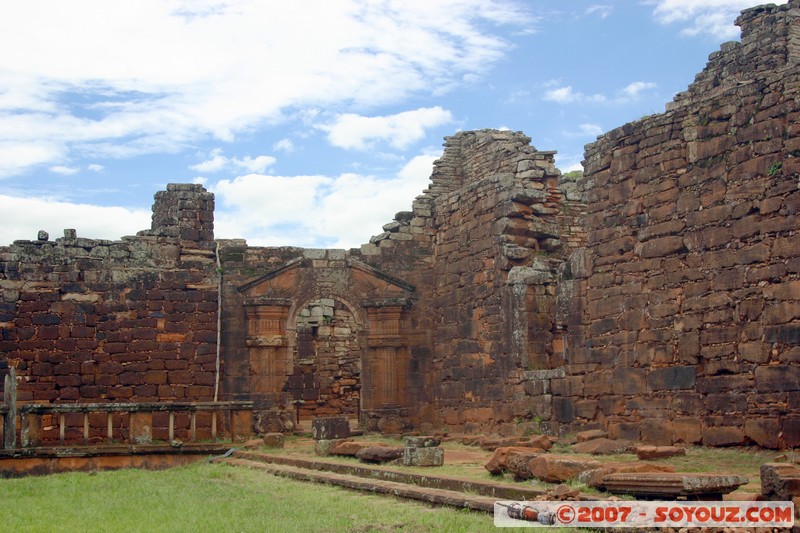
206,497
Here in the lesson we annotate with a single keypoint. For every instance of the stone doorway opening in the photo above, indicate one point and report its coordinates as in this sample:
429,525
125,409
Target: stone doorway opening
325,379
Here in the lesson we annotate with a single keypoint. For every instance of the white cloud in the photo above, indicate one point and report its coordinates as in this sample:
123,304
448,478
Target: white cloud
64,170
401,130
634,89
285,145
254,164
569,162
215,164
566,95
338,212
591,129
94,167
704,17
219,162
16,157
172,72
602,11
24,217
585,130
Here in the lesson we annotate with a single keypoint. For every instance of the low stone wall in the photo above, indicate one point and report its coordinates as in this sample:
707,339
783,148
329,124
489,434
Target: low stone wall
135,319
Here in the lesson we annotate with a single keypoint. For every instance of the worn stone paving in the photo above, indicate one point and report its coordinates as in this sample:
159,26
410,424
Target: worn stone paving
432,480
402,490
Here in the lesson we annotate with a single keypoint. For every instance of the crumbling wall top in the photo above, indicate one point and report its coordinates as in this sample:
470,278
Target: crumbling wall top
770,43
184,210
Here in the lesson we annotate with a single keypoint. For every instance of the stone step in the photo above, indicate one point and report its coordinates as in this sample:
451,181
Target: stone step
672,485
496,491
402,490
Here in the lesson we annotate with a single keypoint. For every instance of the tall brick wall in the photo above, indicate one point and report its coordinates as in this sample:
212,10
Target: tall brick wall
130,320
686,307
498,222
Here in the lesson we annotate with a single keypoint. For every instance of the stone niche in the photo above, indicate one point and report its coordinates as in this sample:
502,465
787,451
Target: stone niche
326,339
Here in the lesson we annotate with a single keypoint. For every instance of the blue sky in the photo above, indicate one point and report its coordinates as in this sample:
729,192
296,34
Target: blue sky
313,121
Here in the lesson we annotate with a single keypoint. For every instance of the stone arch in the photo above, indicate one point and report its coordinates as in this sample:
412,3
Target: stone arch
325,346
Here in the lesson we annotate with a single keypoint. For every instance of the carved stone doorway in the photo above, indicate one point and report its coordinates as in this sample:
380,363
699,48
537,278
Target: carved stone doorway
325,379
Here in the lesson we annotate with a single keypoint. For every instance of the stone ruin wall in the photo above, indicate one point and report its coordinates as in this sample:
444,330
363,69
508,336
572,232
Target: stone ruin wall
657,298
131,320
494,206
499,217
686,323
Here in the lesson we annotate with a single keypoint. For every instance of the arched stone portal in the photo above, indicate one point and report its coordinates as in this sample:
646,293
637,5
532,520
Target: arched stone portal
327,338
326,356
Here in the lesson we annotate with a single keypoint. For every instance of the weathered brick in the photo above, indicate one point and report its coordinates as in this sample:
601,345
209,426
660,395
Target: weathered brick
629,381
777,378
657,431
723,436
671,378
662,247
763,431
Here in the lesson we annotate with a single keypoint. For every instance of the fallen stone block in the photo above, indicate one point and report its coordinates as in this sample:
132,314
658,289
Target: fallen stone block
379,454
539,441
672,485
563,492
428,456
350,448
591,434
780,481
602,446
490,444
558,468
498,462
470,440
323,447
517,462
252,444
274,440
425,441
646,453
594,478
335,427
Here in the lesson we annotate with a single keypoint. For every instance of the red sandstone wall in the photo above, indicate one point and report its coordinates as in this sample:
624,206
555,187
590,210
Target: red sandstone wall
686,320
496,207
131,320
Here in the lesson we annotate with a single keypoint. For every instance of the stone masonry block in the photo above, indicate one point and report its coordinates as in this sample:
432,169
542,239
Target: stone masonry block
336,427
431,456
671,378
324,447
421,441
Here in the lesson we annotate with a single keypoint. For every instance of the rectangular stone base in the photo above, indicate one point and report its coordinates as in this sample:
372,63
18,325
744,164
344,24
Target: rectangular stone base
336,427
432,456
